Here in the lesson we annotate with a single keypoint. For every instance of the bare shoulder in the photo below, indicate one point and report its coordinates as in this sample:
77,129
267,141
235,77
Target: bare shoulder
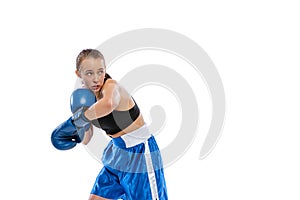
113,85
111,81
110,84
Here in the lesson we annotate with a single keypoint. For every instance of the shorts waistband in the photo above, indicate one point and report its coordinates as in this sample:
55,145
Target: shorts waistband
133,138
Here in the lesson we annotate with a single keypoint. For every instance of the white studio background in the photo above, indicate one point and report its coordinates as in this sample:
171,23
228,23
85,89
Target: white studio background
254,45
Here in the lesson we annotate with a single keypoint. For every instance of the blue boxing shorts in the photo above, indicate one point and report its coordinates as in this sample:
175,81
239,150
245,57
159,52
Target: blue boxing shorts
133,169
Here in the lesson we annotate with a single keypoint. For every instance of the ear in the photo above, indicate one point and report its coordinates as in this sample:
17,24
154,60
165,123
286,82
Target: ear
77,73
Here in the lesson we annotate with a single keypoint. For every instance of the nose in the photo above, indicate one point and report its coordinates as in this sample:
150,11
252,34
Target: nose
97,77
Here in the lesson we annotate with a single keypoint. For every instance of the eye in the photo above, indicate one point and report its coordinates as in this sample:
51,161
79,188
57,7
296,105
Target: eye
100,72
89,73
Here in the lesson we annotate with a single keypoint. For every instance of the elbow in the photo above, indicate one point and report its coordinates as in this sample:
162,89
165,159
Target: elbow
110,105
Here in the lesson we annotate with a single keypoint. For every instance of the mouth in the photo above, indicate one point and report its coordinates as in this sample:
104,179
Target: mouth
95,87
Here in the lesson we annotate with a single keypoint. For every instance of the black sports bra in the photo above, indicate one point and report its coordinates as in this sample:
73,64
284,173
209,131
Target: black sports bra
117,121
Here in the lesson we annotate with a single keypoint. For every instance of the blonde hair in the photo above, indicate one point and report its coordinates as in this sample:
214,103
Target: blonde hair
94,53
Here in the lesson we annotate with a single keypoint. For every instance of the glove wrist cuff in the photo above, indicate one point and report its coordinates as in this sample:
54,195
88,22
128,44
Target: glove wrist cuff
79,119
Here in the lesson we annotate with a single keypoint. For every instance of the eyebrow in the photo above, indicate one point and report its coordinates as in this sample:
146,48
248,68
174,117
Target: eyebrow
90,70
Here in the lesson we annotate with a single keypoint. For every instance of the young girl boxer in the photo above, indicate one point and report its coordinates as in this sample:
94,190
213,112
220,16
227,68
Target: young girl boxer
132,162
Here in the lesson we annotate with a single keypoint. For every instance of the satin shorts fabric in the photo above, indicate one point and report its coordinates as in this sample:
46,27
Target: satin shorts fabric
131,173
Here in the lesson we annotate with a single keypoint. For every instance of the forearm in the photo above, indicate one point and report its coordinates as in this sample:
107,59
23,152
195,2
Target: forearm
88,136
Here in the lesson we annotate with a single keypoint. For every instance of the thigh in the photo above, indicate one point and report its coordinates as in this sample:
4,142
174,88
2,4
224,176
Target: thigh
136,186
96,197
107,186
149,183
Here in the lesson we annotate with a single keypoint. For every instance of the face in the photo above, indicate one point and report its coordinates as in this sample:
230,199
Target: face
92,73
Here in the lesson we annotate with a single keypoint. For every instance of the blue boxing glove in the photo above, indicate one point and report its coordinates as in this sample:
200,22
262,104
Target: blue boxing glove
81,99
79,119
66,136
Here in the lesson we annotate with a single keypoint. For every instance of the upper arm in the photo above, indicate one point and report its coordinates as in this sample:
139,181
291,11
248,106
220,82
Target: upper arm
110,94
